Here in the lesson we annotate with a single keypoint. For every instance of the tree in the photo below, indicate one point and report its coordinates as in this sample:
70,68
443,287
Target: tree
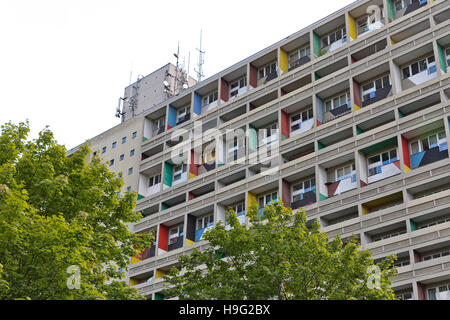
62,220
278,257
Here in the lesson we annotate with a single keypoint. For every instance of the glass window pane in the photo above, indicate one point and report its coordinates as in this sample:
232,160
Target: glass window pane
378,84
374,159
393,154
332,38
422,65
385,157
386,81
415,147
406,73
347,170
336,102
368,86
432,294
433,141
425,145
415,68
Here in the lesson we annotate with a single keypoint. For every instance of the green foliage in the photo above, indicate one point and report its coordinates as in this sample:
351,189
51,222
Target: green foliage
278,257
56,212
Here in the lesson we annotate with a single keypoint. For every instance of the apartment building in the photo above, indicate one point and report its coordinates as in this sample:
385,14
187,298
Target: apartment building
347,118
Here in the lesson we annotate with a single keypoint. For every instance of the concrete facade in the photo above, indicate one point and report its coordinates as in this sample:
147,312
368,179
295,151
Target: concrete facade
376,149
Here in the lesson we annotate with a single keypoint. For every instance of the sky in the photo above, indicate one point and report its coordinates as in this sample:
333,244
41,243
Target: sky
65,63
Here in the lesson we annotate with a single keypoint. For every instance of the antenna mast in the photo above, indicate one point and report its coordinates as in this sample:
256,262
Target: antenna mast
201,60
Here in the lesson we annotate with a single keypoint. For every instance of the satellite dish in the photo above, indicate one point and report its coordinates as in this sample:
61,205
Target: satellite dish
185,86
166,84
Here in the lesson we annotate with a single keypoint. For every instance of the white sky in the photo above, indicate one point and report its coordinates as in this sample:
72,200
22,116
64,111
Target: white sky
65,63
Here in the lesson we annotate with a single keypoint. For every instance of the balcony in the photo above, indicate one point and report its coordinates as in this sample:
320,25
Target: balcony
198,223
233,84
154,124
203,159
368,51
415,68
362,23
179,112
372,86
424,145
400,8
263,69
295,53
236,204
379,162
299,189
333,103
382,203
337,176
150,182
264,133
330,36
387,232
206,98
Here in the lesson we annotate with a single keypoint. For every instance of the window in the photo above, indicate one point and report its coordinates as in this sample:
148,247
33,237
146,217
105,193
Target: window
404,296
124,139
122,156
344,172
432,223
154,181
132,153
267,69
389,235
299,118
432,141
205,221
436,255
440,293
178,171
298,54
268,134
128,189
134,135
400,264
238,208
236,85
369,88
210,98
175,233
402,4
182,113
114,145
337,101
365,22
331,38
111,163
419,66
303,187
104,150
158,124
267,199
376,162
130,171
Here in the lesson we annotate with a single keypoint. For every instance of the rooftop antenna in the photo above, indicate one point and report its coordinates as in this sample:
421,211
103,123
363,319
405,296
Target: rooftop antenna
201,60
177,55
